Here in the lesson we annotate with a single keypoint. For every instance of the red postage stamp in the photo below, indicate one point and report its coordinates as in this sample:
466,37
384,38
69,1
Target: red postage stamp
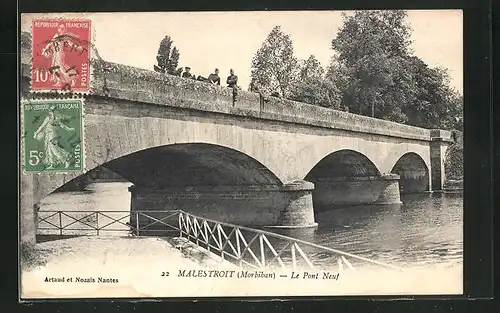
61,55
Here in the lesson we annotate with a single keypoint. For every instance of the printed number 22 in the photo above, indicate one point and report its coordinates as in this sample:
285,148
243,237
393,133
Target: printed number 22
34,158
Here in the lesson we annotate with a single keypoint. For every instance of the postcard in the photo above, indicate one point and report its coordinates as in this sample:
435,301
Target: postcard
241,154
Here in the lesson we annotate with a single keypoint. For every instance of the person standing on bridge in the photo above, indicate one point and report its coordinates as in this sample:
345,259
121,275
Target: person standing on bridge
232,82
187,72
214,77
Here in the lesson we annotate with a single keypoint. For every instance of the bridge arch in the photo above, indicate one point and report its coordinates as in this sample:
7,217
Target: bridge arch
182,164
342,164
205,179
348,177
192,164
413,172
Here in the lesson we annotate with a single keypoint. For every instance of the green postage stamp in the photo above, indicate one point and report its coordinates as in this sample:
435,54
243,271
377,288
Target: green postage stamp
53,135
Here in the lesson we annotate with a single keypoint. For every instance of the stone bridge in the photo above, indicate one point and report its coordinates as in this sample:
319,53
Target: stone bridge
185,145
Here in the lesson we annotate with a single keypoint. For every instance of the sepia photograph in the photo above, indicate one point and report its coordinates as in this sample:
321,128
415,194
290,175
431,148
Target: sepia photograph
241,154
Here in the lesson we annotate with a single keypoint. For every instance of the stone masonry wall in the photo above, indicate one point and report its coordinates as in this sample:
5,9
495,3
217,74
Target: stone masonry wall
366,190
226,204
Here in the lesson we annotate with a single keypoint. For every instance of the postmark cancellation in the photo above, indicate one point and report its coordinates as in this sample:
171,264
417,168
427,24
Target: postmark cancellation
52,135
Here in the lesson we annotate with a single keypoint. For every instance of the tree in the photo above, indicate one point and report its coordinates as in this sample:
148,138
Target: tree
167,59
173,61
373,46
337,81
274,64
311,69
381,78
308,86
436,104
372,33
313,86
456,112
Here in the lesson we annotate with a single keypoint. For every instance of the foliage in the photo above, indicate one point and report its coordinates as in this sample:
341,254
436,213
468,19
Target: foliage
337,82
173,61
372,73
372,33
454,117
436,104
309,86
372,45
167,58
381,78
274,64
454,161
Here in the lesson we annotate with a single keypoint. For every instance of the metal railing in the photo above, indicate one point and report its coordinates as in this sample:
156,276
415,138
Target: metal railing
263,249
243,246
96,222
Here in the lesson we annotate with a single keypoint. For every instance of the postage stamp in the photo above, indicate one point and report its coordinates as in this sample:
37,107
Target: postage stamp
61,55
53,135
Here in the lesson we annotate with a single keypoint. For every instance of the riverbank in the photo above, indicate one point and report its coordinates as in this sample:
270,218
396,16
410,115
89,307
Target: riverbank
126,267
133,262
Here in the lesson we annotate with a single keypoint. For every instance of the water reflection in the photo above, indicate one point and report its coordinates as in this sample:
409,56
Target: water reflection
424,229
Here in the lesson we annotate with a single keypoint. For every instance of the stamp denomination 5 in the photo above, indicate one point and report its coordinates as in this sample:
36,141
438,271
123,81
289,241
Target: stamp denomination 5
53,135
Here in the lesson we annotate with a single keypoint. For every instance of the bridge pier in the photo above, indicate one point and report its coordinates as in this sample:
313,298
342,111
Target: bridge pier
438,146
299,213
340,191
287,206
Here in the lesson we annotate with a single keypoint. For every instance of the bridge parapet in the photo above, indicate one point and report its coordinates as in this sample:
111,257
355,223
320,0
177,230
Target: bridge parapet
123,82
441,135
140,85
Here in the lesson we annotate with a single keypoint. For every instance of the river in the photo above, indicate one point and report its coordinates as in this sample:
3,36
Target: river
425,229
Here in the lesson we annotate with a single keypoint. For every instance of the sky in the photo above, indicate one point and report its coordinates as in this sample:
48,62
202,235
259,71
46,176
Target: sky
225,40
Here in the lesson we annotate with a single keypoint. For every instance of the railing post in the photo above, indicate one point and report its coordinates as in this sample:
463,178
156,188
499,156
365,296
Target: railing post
340,265
262,257
238,247
60,223
196,230
209,236
220,241
349,265
180,224
137,222
294,259
97,222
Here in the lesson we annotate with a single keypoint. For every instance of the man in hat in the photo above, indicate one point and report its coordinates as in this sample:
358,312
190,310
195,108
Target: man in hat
187,72
232,82
214,77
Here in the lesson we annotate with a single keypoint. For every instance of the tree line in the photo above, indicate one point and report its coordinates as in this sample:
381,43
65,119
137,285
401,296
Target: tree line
373,72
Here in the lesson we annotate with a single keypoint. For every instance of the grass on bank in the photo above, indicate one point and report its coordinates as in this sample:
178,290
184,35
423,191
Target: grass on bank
31,256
